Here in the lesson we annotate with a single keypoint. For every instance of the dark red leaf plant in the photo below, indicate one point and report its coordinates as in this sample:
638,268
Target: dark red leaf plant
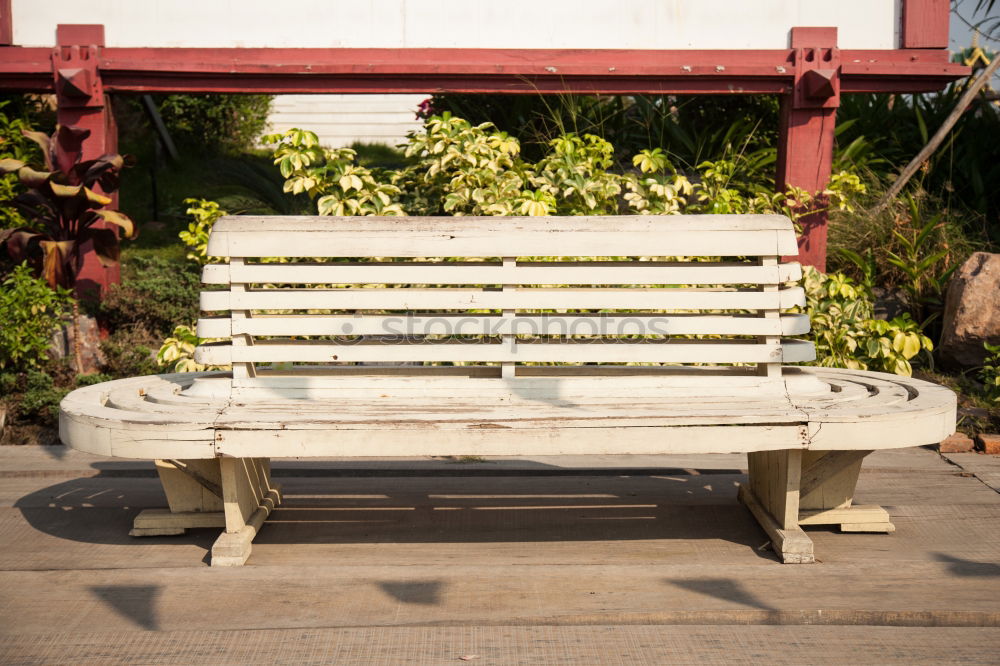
63,211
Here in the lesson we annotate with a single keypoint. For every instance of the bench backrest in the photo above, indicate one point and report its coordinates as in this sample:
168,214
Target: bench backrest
598,292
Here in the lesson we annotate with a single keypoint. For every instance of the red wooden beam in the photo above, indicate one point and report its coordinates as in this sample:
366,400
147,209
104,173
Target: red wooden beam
263,70
810,90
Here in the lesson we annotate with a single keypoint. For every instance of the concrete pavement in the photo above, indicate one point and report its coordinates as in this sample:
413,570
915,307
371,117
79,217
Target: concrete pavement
628,560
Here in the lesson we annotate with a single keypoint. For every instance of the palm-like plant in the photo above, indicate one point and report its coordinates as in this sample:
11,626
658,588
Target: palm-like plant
63,210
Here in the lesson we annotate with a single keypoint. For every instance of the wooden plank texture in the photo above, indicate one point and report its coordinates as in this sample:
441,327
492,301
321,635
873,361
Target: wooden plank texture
925,24
716,351
522,299
790,543
578,272
449,323
711,235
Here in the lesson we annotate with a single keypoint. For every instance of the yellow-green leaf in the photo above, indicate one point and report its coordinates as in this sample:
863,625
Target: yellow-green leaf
911,346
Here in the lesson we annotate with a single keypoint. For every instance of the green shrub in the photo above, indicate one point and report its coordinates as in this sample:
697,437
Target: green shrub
176,353
8,383
332,178
989,374
910,250
575,173
129,352
378,156
465,169
691,129
964,172
205,213
95,378
847,336
40,398
477,170
215,123
30,311
154,295
247,184
914,245
14,145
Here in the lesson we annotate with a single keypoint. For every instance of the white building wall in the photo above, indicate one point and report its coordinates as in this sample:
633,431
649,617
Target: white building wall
340,120
558,24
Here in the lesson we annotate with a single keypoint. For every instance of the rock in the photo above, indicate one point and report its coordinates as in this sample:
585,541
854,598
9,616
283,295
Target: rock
989,444
972,311
957,443
90,344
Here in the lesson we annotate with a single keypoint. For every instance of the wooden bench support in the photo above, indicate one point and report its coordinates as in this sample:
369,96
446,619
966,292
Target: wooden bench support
790,543
164,522
865,518
826,493
772,495
789,489
249,496
234,493
194,495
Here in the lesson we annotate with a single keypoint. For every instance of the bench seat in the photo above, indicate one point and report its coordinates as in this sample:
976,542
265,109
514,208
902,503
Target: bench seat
192,415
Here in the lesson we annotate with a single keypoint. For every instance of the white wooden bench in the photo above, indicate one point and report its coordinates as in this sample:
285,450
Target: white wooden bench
505,336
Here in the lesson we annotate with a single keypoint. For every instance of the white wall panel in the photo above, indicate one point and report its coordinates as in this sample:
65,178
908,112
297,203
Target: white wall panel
633,24
340,120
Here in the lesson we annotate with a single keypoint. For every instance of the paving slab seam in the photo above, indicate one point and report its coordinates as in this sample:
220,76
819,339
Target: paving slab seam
713,618
970,472
752,617
615,646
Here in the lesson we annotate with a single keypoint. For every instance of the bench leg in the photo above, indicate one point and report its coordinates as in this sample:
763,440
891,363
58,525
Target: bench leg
827,493
194,495
248,497
772,495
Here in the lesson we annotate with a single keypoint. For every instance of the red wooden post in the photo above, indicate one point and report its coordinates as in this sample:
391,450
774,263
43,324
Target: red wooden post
925,24
82,103
6,24
805,140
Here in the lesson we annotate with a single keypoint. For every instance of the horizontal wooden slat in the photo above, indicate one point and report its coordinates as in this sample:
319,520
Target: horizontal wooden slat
452,324
708,235
306,223
577,273
673,352
335,382
528,298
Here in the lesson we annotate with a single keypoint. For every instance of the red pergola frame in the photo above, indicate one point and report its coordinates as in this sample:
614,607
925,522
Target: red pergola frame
809,76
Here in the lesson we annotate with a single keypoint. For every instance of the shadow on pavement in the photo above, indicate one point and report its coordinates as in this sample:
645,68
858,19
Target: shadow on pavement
726,589
961,567
100,509
133,602
421,592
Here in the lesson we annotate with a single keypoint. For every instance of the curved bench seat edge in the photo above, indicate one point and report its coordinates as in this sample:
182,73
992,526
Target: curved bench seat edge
86,425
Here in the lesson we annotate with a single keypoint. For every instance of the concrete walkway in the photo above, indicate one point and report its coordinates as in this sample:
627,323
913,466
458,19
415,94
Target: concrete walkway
624,560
